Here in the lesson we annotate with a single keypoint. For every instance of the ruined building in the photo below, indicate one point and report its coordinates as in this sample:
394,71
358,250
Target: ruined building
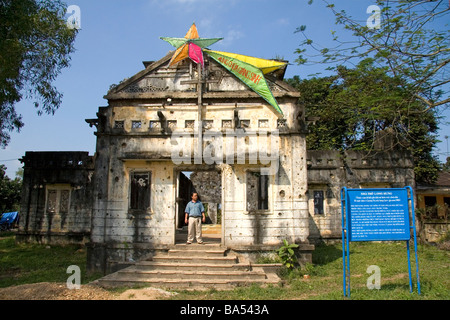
169,130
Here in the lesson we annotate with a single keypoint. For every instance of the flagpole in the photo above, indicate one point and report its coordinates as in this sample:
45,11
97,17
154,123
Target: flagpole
199,157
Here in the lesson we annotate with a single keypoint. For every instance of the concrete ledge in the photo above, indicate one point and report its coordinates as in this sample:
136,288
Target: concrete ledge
263,247
267,267
54,238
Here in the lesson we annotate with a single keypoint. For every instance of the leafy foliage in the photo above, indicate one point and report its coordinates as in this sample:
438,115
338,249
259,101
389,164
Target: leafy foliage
446,166
10,192
366,109
412,43
35,45
287,254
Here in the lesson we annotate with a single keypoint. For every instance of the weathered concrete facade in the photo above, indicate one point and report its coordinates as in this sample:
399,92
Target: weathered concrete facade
56,197
329,171
149,132
168,131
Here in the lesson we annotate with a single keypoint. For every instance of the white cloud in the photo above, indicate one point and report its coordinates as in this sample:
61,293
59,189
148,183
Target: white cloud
230,37
205,23
189,4
283,21
233,35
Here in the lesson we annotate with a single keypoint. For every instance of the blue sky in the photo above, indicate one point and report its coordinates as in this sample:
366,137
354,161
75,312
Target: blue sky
116,36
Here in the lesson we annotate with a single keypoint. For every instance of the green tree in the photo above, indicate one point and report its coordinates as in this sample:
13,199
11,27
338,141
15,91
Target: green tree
35,45
446,166
412,42
10,192
355,106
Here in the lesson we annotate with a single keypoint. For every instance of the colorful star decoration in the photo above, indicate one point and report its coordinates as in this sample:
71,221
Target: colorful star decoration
249,70
190,46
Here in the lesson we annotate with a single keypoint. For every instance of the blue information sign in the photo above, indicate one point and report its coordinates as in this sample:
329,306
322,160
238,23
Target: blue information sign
378,214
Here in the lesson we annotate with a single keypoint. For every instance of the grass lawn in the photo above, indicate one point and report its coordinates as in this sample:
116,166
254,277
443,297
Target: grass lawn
325,276
33,263
23,264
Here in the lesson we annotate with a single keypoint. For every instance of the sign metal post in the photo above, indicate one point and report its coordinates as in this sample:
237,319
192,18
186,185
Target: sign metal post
377,215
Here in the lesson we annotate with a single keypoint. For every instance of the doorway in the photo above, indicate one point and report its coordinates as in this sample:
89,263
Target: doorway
208,186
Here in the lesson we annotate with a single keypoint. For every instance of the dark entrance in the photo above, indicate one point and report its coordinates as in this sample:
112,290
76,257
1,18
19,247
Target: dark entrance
208,185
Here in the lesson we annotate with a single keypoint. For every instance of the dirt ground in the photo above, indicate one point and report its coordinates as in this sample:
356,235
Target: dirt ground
59,291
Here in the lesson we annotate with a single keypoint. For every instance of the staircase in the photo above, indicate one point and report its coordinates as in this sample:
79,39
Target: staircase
190,267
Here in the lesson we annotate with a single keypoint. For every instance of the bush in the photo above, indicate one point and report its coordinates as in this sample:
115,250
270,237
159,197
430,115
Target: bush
287,255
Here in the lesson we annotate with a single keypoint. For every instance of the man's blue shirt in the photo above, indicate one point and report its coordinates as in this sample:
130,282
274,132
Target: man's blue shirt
194,209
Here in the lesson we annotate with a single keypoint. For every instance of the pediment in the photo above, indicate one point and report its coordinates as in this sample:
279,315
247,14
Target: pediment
159,79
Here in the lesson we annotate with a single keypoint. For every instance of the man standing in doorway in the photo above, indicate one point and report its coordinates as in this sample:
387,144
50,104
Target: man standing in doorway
195,215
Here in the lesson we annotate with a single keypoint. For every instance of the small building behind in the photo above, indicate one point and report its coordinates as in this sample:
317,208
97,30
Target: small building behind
56,202
433,208
330,171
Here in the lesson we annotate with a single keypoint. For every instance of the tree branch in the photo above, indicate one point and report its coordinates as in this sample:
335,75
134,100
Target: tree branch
431,105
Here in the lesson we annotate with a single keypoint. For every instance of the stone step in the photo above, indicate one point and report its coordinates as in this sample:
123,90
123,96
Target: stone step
138,274
195,246
197,284
195,259
149,265
197,252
